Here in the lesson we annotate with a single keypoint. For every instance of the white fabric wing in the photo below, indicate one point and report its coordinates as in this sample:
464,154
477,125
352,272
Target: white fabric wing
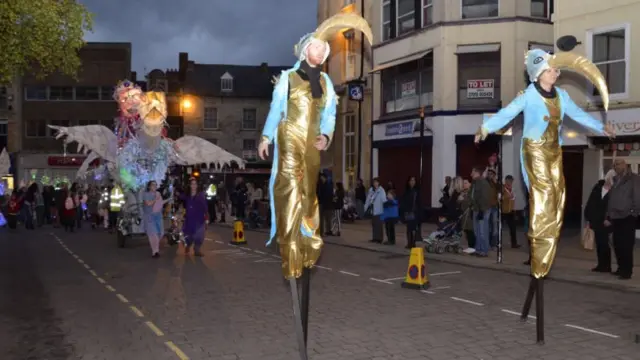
96,138
5,162
82,172
192,150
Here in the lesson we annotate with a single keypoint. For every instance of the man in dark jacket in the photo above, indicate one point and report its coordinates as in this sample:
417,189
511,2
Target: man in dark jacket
622,213
481,206
240,198
325,201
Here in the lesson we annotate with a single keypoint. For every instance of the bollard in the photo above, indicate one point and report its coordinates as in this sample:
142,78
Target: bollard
238,233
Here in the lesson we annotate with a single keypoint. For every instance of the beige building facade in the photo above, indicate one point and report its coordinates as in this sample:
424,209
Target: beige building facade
459,60
350,152
606,32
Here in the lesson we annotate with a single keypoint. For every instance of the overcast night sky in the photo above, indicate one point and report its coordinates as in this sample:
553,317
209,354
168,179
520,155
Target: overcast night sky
244,32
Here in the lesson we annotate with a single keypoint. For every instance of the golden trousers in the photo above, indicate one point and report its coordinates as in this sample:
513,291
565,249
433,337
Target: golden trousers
542,160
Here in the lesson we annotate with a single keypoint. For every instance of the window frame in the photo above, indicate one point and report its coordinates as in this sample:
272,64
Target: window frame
4,121
547,10
476,18
397,20
346,179
62,87
252,148
204,118
255,118
627,58
103,91
75,93
383,23
33,121
426,4
26,92
229,82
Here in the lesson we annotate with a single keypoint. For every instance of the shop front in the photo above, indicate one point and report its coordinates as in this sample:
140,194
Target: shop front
396,154
48,169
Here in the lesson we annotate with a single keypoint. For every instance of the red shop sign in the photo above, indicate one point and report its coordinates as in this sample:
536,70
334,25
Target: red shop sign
70,161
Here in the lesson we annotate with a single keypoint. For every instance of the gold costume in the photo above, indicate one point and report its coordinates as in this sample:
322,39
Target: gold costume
543,165
294,189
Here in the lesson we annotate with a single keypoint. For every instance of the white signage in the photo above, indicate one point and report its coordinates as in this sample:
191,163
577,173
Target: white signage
480,89
408,89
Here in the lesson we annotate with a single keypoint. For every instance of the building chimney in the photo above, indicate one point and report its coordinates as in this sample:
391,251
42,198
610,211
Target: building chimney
183,64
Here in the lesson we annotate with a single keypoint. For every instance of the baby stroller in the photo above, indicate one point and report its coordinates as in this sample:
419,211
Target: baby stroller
447,238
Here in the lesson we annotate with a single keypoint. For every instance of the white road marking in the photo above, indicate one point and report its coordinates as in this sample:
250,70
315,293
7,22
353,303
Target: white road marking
348,273
466,301
592,331
225,251
381,281
245,249
516,313
427,292
323,267
219,242
393,279
446,273
441,287
267,260
260,252
279,257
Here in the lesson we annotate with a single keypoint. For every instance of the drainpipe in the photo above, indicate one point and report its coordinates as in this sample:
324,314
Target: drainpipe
359,171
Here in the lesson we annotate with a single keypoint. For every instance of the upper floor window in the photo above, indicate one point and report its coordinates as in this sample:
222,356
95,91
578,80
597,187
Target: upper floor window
106,93
61,93
540,8
87,93
36,128
610,49
406,18
249,144
210,121
350,55
479,76
249,119
427,12
349,2
408,86
226,82
474,9
35,93
386,20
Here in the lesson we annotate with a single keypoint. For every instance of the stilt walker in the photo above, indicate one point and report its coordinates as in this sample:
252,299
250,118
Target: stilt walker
300,124
544,106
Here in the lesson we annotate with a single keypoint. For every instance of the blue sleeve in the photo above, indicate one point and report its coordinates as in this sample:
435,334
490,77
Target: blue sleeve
580,116
328,119
276,111
493,123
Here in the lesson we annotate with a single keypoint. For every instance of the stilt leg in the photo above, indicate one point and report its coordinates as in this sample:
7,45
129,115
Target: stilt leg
524,316
304,301
297,318
540,311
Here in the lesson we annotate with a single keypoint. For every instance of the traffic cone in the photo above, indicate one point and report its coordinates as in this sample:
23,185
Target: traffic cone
238,233
417,277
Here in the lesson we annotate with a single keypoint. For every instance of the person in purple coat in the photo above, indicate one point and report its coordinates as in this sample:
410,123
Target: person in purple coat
195,217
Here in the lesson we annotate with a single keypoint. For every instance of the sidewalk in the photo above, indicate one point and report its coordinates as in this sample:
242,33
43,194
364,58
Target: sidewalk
572,264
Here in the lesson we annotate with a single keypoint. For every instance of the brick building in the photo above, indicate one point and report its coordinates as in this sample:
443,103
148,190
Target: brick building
227,104
60,100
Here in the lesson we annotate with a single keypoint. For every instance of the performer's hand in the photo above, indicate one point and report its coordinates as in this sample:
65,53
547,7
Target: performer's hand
263,150
477,138
610,130
321,142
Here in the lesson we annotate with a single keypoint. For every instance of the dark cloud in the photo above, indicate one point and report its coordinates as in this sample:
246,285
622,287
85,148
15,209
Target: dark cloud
245,32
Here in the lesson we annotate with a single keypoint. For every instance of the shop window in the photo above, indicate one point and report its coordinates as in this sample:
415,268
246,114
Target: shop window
609,49
479,80
408,86
476,9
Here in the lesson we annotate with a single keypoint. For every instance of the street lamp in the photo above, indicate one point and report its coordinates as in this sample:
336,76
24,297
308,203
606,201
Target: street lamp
186,104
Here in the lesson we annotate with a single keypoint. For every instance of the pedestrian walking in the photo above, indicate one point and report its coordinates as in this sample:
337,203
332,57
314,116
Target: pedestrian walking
152,210
70,212
411,211
390,217
196,217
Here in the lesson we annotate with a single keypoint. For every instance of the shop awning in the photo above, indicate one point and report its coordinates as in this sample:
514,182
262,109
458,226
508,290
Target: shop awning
396,62
472,49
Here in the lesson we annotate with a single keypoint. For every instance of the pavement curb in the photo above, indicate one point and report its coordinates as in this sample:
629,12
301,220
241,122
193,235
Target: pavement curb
490,266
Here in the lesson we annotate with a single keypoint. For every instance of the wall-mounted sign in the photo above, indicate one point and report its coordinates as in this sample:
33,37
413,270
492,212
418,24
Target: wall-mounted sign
70,161
356,91
480,89
400,128
408,88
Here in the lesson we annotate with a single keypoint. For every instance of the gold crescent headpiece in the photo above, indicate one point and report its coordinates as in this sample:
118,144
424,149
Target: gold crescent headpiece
342,21
584,67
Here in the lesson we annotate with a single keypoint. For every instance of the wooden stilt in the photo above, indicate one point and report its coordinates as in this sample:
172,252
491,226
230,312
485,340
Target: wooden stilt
524,316
540,311
298,319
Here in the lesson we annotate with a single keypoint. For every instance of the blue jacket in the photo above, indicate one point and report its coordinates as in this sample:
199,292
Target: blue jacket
390,211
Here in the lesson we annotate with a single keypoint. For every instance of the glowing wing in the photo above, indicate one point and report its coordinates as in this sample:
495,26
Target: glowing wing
95,138
191,150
